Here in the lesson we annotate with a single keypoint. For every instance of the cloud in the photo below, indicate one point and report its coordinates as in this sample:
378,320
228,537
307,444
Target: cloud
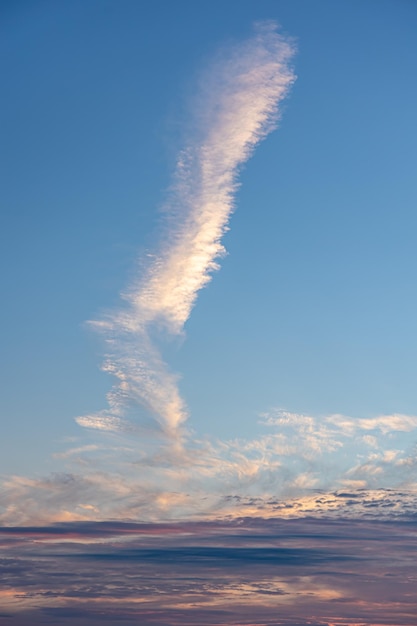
295,458
236,107
75,451
384,423
244,571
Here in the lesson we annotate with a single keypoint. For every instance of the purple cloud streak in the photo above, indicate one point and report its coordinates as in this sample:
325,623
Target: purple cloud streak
248,571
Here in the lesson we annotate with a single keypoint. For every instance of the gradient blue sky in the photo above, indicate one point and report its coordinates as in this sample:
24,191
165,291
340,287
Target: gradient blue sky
314,308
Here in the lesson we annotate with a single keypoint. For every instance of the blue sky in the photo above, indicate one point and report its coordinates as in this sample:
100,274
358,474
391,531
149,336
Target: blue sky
314,307
141,383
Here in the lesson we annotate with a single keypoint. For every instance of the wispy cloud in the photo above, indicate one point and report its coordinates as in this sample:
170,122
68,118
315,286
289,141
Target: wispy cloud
141,475
236,107
300,464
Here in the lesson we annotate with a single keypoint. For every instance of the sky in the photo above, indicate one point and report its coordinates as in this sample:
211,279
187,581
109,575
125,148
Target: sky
208,316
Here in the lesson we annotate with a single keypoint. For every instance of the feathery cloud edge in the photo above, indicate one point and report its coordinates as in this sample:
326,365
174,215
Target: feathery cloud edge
236,107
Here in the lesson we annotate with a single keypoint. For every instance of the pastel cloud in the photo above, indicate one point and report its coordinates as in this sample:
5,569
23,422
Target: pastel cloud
244,571
302,463
236,107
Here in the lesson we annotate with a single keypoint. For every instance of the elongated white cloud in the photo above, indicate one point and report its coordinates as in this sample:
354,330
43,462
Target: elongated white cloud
236,107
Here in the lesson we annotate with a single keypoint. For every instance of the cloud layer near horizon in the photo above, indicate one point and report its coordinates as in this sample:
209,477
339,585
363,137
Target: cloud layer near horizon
236,106
244,571
327,465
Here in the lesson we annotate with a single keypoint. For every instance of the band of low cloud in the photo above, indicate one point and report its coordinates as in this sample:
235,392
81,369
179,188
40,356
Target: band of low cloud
271,572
